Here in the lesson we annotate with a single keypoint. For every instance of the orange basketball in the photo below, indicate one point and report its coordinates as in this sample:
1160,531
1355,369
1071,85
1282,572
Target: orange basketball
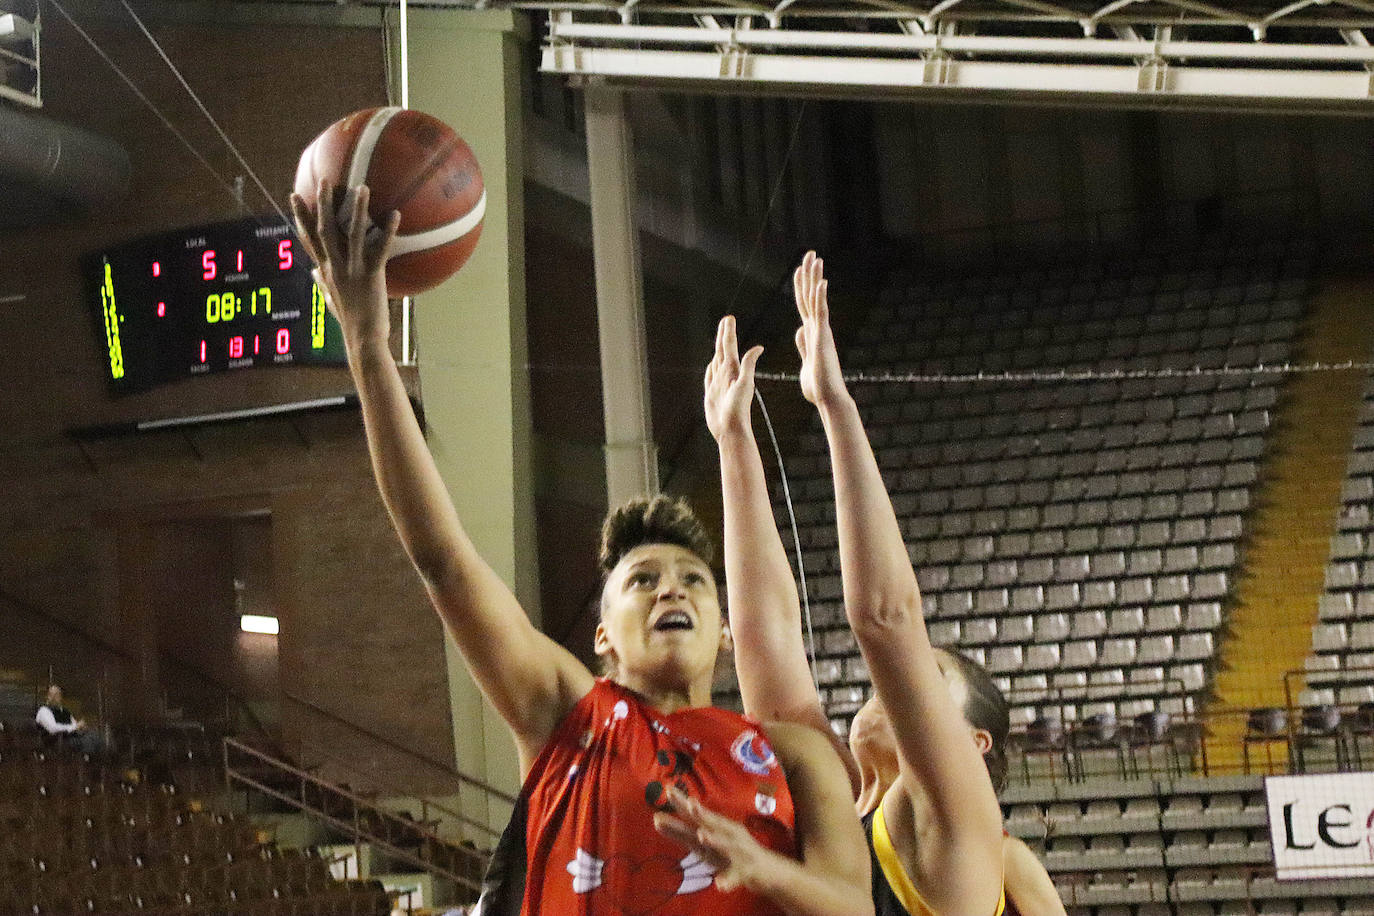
413,163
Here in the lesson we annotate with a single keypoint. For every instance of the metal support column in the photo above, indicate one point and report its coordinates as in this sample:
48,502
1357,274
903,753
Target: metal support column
631,458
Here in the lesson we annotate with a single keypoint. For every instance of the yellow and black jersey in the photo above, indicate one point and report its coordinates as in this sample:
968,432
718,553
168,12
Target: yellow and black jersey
894,893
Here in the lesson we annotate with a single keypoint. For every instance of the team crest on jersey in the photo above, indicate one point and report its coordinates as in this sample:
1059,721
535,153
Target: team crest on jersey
752,752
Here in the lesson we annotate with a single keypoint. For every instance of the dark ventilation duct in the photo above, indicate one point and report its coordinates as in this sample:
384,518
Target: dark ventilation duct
47,169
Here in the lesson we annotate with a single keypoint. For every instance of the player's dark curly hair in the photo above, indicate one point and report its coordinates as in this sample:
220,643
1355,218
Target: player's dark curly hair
986,708
658,520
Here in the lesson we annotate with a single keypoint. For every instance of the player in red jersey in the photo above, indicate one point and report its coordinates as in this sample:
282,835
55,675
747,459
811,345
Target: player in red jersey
930,811
610,818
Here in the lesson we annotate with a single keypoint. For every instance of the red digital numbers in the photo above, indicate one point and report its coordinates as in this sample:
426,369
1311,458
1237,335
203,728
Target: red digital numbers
162,310
157,268
283,340
207,262
238,264
202,351
256,338
284,256
236,347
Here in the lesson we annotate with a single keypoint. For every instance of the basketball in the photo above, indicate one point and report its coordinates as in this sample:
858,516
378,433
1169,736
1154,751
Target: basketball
411,162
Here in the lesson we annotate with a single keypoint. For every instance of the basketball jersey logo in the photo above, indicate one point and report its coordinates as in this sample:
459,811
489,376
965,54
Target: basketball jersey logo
752,752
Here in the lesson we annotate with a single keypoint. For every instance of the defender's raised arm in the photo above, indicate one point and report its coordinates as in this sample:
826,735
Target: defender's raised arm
942,808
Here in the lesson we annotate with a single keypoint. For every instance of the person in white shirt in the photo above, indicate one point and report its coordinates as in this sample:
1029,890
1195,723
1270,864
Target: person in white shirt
57,722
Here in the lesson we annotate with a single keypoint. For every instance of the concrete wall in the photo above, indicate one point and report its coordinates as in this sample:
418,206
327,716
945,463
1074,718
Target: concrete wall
964,180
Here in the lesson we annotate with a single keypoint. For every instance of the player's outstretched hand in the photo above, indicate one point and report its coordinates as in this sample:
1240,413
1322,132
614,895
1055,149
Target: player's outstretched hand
729,383
351,264
731,851
821,380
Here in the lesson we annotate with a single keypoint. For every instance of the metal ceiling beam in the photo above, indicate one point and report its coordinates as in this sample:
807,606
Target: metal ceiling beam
1295,54
1161,71
1195,86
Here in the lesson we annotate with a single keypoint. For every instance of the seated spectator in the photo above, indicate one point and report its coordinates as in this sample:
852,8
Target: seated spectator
61,728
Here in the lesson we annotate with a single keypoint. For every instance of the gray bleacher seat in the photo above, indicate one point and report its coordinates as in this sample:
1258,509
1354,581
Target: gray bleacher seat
1362,635
1056,509
1087,624
1081,653
978,631
1194,647
1163,618
1125,621
1330,637
1050,627
1203,615
1336,606
1005,659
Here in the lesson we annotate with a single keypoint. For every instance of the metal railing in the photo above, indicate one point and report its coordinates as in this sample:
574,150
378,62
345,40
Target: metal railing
431,811
373,770
361,819
1221,741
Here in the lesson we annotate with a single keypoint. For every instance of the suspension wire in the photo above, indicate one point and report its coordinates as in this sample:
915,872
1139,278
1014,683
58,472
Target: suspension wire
763,409
1083,375
205,111
796,538
228,186
772,200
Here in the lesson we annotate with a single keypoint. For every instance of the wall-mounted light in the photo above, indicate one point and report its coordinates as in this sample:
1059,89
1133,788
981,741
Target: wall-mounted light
257,623
15,29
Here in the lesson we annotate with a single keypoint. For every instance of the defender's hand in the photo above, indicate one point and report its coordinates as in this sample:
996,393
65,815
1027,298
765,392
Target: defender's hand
729,383
822,383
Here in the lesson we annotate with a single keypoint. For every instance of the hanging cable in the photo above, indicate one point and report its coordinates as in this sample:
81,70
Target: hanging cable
796,540
228,186
205,111
758,396
772,200
1081,375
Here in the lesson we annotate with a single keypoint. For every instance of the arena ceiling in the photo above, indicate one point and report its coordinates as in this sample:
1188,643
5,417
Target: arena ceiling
1304,55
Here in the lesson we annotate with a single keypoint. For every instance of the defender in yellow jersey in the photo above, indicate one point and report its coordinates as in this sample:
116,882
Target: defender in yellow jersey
927,750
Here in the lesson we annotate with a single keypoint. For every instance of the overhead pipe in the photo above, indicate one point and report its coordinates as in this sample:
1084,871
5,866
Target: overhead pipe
61,161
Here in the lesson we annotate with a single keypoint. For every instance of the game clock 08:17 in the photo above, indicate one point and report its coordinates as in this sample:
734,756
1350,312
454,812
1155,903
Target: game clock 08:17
230,296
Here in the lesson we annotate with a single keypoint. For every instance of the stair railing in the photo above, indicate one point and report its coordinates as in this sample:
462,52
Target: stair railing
359,818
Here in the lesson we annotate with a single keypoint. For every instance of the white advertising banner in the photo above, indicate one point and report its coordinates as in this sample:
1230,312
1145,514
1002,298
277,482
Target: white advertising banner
1322,826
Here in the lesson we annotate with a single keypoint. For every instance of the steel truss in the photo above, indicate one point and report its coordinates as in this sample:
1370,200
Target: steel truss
21,74
1305,55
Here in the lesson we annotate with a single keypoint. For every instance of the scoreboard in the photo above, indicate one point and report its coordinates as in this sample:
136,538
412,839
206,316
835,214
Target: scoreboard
224,297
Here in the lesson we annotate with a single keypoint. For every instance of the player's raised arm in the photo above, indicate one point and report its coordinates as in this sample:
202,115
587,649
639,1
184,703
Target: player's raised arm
531,680
958,859
1029,888
765,614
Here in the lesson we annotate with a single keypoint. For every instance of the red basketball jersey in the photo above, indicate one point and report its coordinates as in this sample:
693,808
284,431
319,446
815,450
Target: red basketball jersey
584,835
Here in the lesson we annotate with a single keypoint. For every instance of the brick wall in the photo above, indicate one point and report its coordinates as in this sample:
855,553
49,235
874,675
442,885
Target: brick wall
78,528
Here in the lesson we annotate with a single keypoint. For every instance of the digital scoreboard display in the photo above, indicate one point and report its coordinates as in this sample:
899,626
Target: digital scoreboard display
217,298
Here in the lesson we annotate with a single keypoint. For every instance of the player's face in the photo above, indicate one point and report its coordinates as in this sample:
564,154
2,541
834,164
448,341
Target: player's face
660,614
871,738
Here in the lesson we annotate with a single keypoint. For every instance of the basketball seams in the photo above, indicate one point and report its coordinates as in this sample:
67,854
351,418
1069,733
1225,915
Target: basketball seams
437,161
442,234
436,173
360,163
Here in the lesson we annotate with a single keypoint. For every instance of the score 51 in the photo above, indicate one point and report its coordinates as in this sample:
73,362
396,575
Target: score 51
209,269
